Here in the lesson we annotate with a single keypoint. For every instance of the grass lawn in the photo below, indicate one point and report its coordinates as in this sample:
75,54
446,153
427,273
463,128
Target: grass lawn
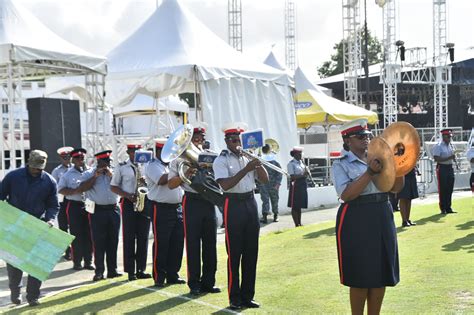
298,273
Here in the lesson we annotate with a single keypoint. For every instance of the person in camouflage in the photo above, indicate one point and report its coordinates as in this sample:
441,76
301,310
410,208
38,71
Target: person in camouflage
270,192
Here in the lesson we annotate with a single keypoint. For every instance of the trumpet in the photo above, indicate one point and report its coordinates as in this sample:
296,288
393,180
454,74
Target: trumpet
267,164
309,174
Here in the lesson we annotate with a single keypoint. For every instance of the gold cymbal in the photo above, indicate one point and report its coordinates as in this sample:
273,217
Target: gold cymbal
404,142
380,150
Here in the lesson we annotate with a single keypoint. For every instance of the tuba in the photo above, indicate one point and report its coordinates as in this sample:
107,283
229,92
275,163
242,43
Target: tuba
398,148
179,145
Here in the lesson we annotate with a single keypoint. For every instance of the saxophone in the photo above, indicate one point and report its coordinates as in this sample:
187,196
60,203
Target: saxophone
141,190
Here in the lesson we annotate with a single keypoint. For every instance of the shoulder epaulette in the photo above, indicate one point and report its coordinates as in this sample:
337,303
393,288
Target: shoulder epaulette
224,152
122,163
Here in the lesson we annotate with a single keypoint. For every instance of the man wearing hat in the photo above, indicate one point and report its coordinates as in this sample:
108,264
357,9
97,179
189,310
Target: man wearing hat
77,216
135,225
200,226
105,219
65,157
34,191
443,154
167,221
269,193
236,174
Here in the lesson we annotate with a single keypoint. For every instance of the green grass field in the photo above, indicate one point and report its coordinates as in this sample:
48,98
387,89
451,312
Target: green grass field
298,273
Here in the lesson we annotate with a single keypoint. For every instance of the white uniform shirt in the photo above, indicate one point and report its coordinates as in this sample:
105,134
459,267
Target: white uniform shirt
125,177
227,164
160,193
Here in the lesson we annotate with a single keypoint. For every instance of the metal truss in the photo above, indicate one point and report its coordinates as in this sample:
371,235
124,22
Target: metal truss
290,34
234,8
351,49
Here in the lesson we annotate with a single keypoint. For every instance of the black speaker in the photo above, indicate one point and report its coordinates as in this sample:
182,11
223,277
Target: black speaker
53,123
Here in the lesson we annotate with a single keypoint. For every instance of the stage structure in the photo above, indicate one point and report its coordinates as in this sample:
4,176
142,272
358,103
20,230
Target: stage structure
29,51
234,14
351,49
290,35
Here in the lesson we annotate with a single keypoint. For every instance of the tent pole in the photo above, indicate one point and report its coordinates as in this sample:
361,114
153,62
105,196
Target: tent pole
197,105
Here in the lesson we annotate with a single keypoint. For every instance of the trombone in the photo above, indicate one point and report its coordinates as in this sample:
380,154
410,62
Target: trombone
267,164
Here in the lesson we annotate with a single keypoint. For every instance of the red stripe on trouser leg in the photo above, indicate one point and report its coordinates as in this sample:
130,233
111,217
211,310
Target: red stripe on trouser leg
439,187
155,241
69,224
339,232
123,230
92,235
229,265
185,238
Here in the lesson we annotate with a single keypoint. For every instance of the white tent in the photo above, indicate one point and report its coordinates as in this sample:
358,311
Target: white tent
173,52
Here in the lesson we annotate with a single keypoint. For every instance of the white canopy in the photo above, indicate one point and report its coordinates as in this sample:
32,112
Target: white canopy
24,38
170,51
173,52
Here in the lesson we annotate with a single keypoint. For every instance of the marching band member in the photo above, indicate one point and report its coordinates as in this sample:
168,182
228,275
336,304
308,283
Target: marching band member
166,221
200,225
65,156
298,195
105,218
135,225
81,247
236,175
365,231
443,154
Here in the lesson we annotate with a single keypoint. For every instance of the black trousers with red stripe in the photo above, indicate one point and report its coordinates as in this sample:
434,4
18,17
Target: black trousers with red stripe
81,247
242,232
105,224
168,241
445,174
62,222
135,231
200,227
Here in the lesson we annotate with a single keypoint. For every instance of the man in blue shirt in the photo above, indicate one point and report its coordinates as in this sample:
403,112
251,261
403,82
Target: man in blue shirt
34,191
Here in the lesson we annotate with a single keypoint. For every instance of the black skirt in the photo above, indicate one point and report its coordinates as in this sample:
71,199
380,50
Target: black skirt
410,190
367,245
298,194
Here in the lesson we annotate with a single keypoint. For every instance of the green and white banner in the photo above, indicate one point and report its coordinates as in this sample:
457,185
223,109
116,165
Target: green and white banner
30,244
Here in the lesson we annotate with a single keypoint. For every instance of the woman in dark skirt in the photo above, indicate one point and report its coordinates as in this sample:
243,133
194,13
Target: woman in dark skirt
366,236
298,194
408,193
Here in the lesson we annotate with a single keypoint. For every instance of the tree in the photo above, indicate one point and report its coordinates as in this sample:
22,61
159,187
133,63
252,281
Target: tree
336,64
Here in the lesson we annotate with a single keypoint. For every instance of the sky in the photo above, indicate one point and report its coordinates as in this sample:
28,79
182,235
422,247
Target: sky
99,25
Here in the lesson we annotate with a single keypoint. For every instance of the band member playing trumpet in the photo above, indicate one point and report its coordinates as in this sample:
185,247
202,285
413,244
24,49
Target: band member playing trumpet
236,174
166,220
443,154
77,217
135,226
365,231
200,226
298,196
105,219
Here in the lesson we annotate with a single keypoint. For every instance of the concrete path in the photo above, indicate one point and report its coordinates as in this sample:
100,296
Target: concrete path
64,277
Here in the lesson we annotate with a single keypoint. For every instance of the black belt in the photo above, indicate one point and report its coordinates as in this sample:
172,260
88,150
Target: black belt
372,198
239,196
192,195
74,201
164,204
446,165
105,207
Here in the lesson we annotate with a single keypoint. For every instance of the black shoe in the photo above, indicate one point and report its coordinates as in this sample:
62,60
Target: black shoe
450,211
89,267
251,304
411,223
406,224
77,267
275,218
195,292
142,275
114,274
67,257
443,211
235,306
15,298
176,281
159,285
132,277
34,302
211,290
264,219
98,277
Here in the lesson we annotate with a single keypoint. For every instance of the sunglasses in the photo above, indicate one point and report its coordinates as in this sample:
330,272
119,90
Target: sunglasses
360,137
233,140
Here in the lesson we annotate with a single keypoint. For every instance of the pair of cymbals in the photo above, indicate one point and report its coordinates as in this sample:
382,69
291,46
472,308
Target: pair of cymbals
398,149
